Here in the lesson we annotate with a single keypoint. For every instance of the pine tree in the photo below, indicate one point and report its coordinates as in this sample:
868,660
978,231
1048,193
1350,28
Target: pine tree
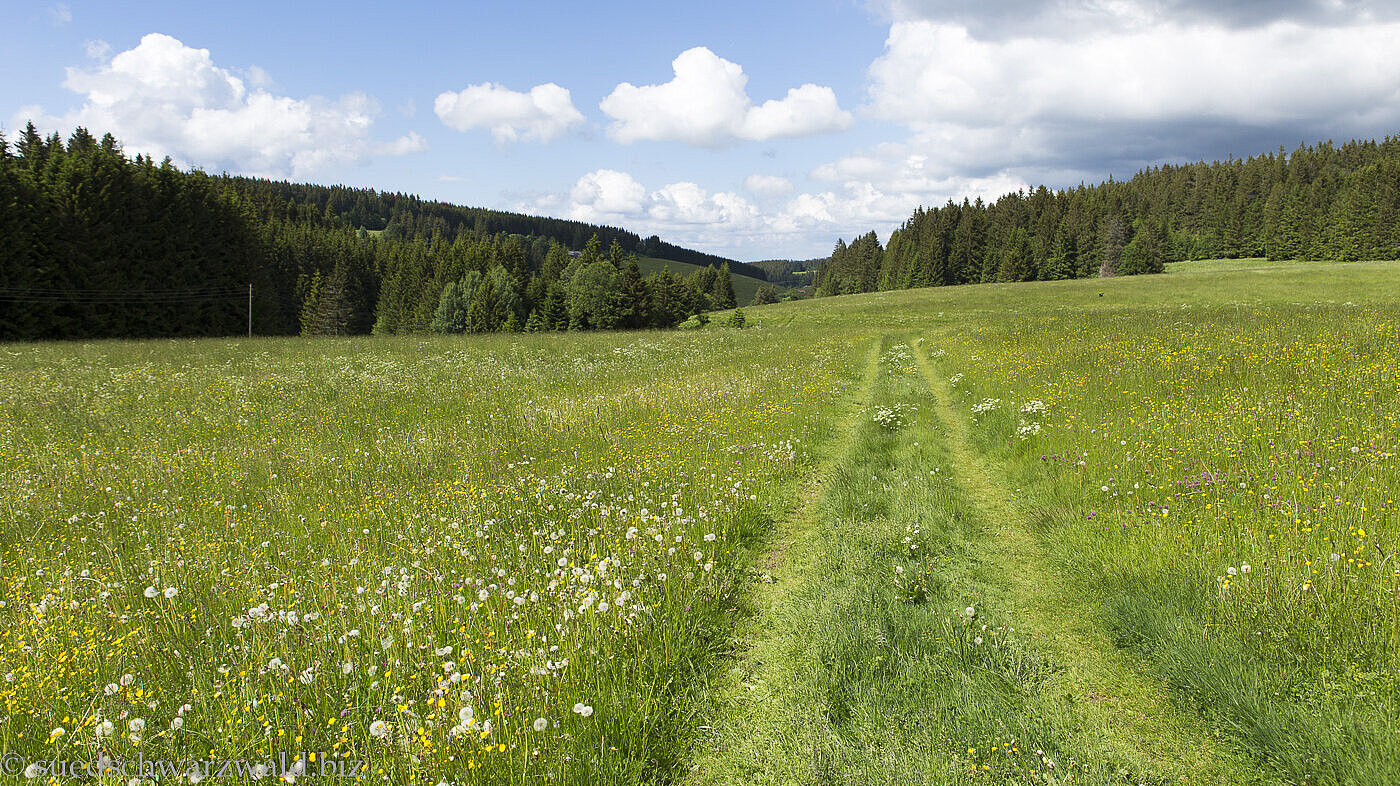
722,294
1114,240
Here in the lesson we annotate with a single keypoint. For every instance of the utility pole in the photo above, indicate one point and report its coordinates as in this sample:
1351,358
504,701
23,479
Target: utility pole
250,309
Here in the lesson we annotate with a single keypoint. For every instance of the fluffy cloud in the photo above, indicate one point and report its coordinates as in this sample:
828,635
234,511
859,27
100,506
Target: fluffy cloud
1280,73
991,104
706,104
542,114
605,193
768,185
165,98
725,222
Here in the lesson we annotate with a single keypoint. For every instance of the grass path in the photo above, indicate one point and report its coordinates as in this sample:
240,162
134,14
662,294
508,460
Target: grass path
761,717
1126,715
863,665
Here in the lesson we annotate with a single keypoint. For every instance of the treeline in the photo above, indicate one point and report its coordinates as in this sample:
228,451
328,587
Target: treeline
407,217
1323,202
793,273
98,245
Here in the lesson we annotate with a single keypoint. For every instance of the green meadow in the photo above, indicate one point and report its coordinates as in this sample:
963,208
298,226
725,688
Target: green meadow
1103,531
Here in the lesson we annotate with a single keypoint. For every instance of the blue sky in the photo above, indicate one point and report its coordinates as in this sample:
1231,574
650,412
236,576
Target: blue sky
752,130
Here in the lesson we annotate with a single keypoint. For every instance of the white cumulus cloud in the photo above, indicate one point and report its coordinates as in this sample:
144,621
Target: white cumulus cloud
706,104
768,185
165,98
992,104
725,222
545,112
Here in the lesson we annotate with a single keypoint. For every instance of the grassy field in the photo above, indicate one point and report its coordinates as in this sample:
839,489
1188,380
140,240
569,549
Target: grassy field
1108,531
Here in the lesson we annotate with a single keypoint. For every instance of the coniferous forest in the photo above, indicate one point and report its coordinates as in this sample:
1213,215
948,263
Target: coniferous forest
96,244
100,245
1322,202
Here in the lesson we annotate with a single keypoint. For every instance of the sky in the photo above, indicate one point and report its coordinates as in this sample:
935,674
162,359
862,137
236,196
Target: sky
754,130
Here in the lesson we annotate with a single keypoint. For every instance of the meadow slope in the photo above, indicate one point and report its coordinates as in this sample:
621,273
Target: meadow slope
1104,531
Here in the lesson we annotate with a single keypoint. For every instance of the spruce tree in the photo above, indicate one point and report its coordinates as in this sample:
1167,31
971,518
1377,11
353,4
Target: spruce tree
722,295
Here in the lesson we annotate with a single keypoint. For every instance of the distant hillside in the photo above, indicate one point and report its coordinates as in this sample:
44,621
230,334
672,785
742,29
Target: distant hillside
745,286
97,245
793,273
1325,201
407,217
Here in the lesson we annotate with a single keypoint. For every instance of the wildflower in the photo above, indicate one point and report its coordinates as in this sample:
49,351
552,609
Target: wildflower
379,730
970,611
541,724
170,592
151,592
583,709
1244,567
136,725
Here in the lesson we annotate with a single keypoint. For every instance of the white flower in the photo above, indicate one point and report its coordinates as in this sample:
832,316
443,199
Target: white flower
176,724
465,715
970,611
170,592
1231,570
127,679
977,640
151,592
379,730
58,732
111,688
1244,567
104,729
483,595
583,709
541,724
35,770
136,725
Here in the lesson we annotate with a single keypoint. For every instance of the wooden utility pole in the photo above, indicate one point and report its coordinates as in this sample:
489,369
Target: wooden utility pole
250,309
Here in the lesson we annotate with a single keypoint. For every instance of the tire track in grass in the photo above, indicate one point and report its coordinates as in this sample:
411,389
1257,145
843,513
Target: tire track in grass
761,718
1121,713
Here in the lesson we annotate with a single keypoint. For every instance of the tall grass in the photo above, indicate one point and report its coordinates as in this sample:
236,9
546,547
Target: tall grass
497,561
